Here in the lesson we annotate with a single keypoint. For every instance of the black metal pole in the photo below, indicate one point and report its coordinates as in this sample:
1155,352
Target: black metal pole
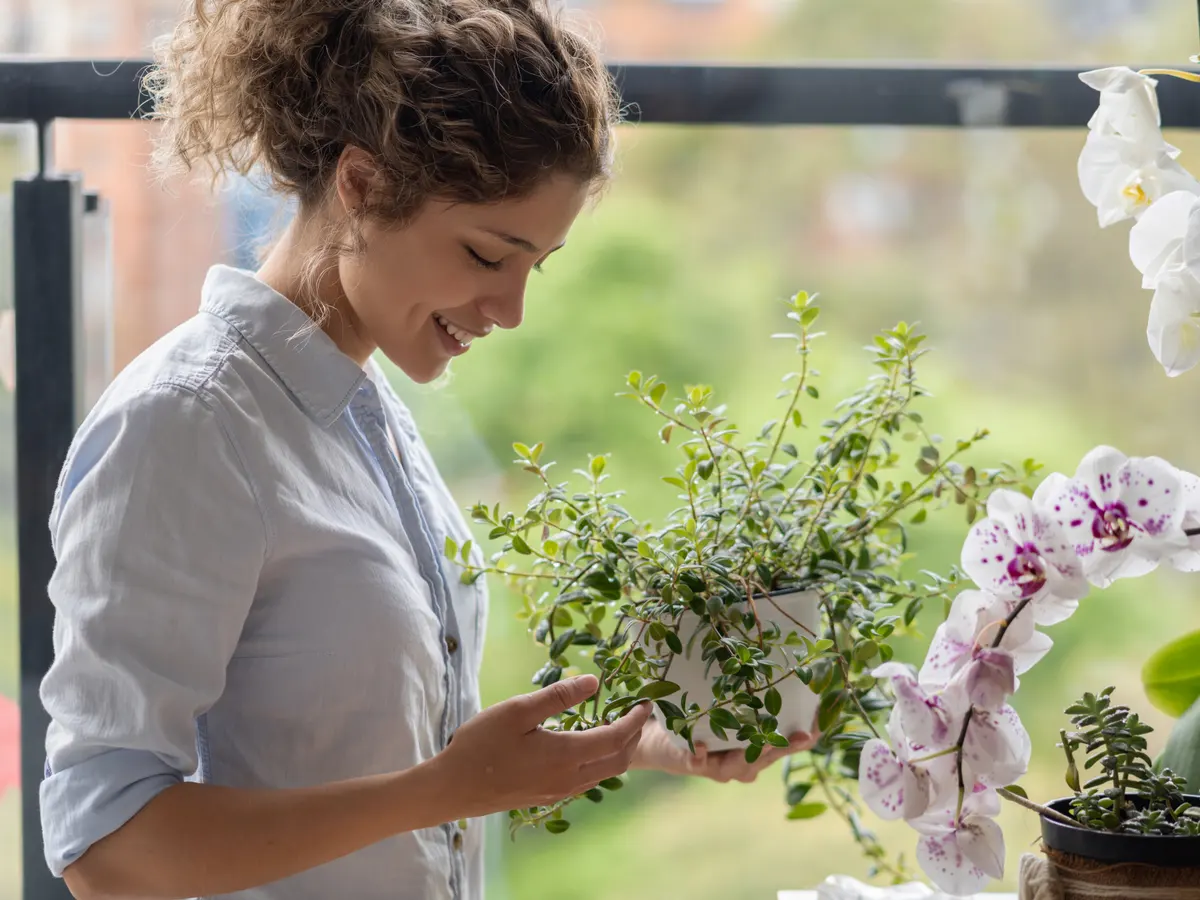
47,219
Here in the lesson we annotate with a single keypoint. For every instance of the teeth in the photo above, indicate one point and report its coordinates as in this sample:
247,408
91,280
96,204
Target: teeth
462,337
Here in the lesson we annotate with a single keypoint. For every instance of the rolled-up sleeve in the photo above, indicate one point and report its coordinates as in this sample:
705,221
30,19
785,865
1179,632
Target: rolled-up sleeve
159,539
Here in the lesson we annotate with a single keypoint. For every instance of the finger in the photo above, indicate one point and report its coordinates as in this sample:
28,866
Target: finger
578,748
801,740
735,768
539,706
612,765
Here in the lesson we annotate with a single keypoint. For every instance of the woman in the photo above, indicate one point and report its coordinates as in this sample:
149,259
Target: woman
261,661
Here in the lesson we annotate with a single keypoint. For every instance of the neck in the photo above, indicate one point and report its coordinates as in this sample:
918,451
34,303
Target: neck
287,269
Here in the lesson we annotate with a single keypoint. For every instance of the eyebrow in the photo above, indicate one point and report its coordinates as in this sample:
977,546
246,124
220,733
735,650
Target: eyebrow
525,245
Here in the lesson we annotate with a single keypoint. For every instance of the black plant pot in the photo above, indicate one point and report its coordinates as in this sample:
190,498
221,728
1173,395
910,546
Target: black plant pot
1083,859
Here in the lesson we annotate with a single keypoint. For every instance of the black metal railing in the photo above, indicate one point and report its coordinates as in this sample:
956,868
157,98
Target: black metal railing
49,210
829,94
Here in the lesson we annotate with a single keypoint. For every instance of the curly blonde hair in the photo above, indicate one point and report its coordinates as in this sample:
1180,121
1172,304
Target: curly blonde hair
463,100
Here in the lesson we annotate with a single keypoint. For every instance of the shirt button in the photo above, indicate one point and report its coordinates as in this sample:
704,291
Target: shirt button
458,840
451,643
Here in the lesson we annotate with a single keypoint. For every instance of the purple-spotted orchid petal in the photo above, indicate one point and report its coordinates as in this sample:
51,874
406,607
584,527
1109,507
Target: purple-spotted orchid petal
961,853
926,719
990,678
1020,551
997,747
890,786
1188,559
975,619
1121,515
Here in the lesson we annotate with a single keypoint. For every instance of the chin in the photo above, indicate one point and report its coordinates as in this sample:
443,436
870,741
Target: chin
421,371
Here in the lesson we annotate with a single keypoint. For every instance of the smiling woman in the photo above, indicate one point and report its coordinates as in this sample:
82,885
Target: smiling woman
260,660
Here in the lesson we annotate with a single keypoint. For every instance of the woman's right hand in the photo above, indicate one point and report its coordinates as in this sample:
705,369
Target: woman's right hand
502,759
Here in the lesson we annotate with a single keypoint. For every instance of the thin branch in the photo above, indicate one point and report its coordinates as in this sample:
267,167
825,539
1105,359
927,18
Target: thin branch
1037,807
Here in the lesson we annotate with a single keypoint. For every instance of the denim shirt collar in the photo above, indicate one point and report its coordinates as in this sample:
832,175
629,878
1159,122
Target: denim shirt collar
319,376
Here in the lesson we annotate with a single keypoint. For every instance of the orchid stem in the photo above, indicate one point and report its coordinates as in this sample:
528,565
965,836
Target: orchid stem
1174,73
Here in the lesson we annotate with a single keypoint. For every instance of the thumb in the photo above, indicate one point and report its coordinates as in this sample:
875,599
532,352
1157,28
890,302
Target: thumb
558,698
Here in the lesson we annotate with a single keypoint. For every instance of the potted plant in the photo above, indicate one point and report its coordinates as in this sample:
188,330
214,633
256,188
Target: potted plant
1125,810
763,601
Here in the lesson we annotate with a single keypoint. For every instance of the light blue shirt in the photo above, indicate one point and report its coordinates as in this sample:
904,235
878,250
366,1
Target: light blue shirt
250,591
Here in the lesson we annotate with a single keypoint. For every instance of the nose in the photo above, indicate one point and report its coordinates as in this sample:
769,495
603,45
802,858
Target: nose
505,310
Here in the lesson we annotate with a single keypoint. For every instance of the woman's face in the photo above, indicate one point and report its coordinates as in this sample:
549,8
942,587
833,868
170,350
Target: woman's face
425,293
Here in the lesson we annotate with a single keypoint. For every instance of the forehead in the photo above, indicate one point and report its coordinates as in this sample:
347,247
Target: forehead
542,217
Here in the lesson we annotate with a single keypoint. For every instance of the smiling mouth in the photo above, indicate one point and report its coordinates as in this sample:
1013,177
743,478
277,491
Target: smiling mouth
461,335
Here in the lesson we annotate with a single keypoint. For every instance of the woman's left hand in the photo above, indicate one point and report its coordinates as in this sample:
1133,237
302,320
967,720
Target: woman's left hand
657,751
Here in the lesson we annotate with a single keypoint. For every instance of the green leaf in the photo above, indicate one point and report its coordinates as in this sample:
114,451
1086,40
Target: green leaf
674,642
645,551
451,548
656,689
562,642
773,701
831,706
753,752
597,466
1018,790
557,826
1171,676
723,718
1182,752
665,434
520,546
612,784
777,740
522,451
806,810
676,482
658,393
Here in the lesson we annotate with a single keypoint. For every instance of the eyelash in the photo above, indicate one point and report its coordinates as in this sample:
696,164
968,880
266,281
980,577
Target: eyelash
493,266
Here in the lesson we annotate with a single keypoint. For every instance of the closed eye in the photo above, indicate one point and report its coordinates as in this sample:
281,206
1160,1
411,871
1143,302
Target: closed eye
488,264
494,265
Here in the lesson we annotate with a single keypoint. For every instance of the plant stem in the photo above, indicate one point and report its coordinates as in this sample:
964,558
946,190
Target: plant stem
845,670
1037,807
962,735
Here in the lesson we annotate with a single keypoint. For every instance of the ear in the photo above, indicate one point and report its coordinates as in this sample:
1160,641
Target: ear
356,173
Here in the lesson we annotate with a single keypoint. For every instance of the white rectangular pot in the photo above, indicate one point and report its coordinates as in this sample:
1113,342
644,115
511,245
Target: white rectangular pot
799,709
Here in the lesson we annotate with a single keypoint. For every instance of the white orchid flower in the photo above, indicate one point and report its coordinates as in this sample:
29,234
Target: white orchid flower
962,851
903,780
1188,559
997,748
1121,515
974,620
1022,552
1126,165
1128,103
1173,329
1123,178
